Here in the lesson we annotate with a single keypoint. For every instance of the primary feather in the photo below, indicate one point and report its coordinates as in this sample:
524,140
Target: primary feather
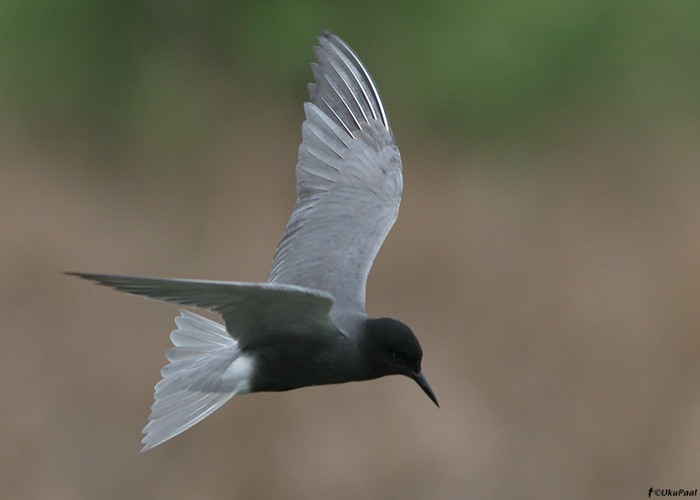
349,182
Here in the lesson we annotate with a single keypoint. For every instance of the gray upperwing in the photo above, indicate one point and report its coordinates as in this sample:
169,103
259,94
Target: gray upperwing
247,308
349,182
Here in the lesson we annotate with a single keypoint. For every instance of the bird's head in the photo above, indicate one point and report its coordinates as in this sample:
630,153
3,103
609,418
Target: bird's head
394,350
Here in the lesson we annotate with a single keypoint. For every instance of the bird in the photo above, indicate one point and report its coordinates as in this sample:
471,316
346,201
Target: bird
307,324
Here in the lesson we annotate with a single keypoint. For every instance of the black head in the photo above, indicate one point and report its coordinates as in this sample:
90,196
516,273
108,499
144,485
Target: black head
393,349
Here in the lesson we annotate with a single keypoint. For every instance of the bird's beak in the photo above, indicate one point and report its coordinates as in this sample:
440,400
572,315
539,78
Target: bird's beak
420,379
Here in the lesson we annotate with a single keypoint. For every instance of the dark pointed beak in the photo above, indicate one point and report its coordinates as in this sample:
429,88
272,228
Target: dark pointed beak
420,379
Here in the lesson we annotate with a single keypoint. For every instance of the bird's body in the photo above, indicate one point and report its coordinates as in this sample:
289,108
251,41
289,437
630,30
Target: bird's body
307,325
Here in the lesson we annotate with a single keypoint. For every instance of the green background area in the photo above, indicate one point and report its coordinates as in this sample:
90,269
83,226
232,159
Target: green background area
466,71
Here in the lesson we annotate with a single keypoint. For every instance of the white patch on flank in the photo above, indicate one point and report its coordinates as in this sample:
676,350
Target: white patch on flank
240,374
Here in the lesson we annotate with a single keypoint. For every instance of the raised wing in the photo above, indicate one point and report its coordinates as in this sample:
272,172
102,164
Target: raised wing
248,309
349,181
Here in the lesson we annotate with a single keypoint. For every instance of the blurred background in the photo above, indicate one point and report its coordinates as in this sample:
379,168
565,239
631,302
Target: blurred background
547,254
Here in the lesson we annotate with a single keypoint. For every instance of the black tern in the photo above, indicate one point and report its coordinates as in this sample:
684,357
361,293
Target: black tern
307,325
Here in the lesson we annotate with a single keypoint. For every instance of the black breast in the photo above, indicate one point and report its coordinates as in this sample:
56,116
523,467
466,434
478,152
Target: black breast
289,361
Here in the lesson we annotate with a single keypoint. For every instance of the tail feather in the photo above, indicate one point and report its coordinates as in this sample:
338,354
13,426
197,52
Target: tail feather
197,331
195,382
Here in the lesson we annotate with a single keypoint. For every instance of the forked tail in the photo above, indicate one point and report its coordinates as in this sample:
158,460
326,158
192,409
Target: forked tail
205,370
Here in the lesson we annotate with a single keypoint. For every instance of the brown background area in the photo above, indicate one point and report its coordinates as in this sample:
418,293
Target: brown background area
557,307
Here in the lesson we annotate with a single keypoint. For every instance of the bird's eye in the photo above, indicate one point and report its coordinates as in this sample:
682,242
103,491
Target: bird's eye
399,354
